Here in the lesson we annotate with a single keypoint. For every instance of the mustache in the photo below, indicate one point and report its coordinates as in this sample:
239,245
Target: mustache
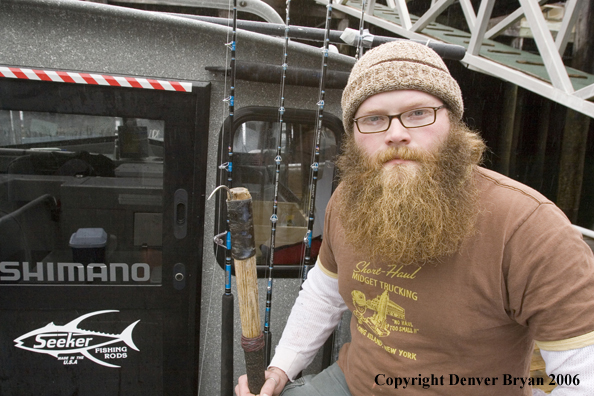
404,153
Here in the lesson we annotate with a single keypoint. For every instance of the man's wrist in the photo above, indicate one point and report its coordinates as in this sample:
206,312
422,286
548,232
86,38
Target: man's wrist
283,376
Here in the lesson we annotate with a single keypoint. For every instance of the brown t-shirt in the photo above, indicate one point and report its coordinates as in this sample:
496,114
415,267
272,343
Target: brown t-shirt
466,325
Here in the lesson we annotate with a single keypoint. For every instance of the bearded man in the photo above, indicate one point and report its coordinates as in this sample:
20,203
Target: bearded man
451,271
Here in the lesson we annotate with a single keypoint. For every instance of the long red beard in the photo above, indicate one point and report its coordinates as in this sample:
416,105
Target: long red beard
410,214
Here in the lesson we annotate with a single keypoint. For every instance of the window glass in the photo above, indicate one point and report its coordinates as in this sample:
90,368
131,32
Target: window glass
102,222
29,127
255,148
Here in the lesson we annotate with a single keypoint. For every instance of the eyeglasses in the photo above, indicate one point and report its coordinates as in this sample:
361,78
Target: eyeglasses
415,118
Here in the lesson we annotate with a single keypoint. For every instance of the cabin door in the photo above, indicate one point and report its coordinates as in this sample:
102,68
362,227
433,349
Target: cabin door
102,193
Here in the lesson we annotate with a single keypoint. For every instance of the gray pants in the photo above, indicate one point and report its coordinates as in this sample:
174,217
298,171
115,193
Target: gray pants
330,382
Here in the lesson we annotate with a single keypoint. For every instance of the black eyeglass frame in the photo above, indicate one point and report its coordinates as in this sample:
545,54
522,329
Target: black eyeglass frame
390,117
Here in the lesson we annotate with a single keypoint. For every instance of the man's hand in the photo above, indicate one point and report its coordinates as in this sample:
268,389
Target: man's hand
276,379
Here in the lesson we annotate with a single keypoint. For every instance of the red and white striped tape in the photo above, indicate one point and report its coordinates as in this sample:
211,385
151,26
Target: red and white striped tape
94,79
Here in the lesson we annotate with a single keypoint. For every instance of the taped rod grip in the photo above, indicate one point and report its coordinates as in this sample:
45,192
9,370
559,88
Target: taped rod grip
241,224
254,359
239,212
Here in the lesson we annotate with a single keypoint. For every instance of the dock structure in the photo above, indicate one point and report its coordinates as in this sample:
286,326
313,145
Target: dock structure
543,73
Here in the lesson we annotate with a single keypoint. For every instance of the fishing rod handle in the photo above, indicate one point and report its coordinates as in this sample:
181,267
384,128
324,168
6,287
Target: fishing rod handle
227,385
241,227
254,362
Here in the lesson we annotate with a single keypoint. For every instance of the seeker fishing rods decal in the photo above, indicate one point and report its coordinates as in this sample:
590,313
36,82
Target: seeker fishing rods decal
278,161
316,149
69,343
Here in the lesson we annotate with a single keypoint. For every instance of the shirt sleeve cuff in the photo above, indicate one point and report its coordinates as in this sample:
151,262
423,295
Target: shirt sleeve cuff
289,361
324,270
567,344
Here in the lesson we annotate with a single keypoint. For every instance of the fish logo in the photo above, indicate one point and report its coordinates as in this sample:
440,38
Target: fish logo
69,339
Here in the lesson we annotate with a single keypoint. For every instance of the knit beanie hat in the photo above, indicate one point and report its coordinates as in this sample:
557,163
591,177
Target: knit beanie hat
399,65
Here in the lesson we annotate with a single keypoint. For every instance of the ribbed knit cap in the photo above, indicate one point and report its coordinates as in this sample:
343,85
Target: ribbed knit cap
399,65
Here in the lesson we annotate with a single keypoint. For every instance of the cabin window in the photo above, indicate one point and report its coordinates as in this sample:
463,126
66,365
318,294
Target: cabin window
105,172
255,140
38,130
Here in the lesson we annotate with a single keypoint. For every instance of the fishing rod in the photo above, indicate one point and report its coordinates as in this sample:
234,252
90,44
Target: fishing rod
241,233
243,248
359,52
316,149
227,302
274,217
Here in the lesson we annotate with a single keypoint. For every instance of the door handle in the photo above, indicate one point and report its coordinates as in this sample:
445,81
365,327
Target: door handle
180,213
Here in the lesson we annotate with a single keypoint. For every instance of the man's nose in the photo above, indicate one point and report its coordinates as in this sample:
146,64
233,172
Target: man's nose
397,135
